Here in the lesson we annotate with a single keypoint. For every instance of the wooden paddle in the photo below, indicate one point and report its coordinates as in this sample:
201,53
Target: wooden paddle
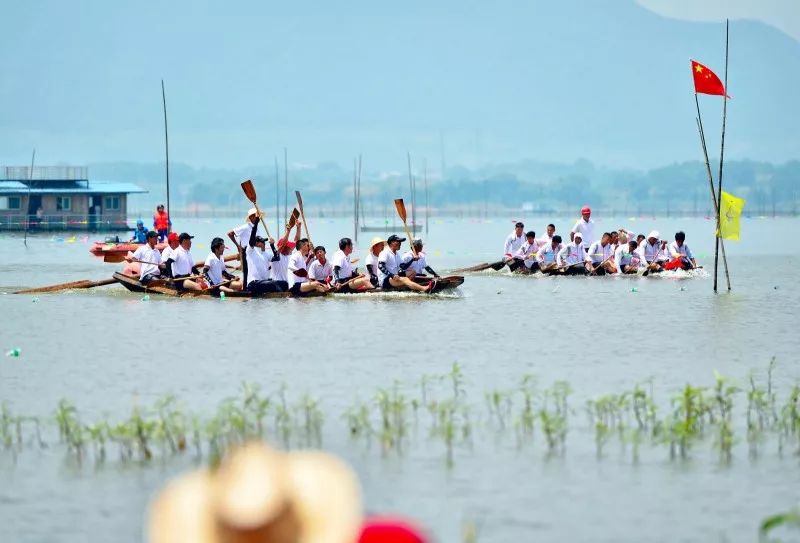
476,268
85,283
655,257
401,210
303,215
250,191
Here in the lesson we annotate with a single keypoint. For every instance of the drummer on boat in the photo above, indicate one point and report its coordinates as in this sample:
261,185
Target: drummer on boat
149,258
390,275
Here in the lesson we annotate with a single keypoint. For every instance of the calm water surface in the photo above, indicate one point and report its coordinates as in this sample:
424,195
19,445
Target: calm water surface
106,349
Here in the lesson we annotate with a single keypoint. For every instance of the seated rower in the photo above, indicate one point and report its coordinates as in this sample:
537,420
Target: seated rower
655,252
320,269
150,259
345,277
601,256
168,254
371,263
389,273
279,265
572,258
183,265
626,259
259,264
140,234
548,237
298,271
214,269
240,236
546,256
525,257
416,267
513,242
680,254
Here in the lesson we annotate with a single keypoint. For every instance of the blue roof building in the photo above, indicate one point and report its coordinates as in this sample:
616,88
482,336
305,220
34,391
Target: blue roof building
61,198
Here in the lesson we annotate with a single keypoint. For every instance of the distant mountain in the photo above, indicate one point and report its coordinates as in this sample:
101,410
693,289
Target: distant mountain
495,82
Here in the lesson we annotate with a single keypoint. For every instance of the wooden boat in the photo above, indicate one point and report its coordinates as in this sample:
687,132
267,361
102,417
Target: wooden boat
105,249
132,283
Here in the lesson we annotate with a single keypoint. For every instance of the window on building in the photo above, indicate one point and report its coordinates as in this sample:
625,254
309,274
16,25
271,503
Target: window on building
10,202
63,203
112,203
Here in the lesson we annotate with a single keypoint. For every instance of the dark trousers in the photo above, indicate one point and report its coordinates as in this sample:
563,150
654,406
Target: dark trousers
262,286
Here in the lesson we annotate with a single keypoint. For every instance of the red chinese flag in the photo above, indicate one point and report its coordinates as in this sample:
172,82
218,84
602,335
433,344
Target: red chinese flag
706,81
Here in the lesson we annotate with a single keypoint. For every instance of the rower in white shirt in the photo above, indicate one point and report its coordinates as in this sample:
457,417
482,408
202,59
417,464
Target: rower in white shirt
259,265
214,269
390,276
320,268
572,258
655,252
279,265
585,225
240,236
550,231
345,277
371,262
168,254
514,241
546,256
298,271
149,259
601,255
416,267
525,257
626,259
680,254
183,264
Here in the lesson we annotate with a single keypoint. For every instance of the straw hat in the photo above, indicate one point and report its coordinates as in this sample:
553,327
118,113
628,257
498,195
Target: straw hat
375,241
262,495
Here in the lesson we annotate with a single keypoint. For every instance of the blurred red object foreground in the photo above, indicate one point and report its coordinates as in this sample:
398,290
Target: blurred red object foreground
390,530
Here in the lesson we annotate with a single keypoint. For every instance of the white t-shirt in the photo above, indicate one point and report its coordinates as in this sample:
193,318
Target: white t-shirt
147,254
280,268
547,254
528,252
585,228
257,264
624,257
598,253
513,243
242,233
419,266
215,267
343,262
392,262
571,253
319,272
372,260
297,262
674,251
654,252
168,253
183,262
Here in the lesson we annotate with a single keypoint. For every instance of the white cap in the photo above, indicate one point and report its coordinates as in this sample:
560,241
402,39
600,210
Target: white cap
577,235
654,234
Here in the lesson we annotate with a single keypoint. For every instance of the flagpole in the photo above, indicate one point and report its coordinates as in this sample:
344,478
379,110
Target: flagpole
710,183
721,158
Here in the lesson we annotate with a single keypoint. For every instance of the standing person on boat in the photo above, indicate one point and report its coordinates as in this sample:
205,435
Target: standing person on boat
280,258
214,268
626,258
150,259
240,236
390,275
298,270
320,268
572,255
546,256
345,277
259,264
161,223
655,252
416,267
371,262
601,256
585,225
526,255
168,254
183,264
140,234
680,254
514,241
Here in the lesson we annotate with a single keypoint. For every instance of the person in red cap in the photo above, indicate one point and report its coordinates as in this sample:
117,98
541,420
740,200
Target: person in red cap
585,226
170,251
279,265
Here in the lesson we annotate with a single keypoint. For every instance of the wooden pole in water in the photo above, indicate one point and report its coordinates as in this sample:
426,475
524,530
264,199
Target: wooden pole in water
427,204
166,140
721,159
277,198
285,183
28,203
355,202
411,188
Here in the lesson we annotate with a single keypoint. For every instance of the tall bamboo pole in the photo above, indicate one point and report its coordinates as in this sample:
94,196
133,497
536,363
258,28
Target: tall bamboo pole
166,141
721,160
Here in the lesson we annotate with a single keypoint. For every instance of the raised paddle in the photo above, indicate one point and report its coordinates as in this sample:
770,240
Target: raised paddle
401,210
303,215
250,191
85,283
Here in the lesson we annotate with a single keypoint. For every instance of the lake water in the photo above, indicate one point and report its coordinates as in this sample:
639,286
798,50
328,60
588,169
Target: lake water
106,349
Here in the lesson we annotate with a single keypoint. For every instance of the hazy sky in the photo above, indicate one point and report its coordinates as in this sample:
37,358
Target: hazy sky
510,80
783,14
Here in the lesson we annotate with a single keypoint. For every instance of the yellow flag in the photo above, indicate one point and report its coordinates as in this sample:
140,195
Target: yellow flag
729,212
